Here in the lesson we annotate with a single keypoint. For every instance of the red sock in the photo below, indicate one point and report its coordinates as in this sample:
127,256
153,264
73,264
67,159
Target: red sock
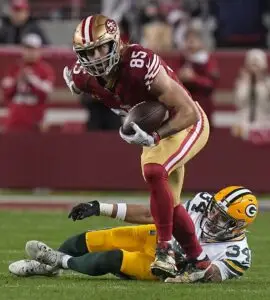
184,232
161,200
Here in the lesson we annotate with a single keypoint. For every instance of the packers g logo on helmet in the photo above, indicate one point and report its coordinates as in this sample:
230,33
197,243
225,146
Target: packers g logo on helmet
251,210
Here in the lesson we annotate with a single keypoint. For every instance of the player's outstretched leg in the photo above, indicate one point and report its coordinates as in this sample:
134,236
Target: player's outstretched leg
93,264
44,254
97,263
28,267
161,204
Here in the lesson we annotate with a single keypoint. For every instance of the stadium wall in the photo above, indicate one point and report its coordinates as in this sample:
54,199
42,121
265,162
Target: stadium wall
102,161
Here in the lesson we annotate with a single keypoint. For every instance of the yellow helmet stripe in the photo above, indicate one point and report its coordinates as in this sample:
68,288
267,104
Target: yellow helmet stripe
234,195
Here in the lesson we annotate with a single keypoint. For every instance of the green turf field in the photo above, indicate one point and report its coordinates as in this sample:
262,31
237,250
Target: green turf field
18,227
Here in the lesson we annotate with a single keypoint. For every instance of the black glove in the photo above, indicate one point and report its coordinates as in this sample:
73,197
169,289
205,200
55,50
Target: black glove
84,210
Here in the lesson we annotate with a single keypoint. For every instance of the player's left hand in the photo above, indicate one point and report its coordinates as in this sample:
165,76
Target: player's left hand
85,210
188,277
183,278
140,137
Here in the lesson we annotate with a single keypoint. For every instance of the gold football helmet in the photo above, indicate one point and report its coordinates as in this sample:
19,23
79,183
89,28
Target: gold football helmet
92,32
229,212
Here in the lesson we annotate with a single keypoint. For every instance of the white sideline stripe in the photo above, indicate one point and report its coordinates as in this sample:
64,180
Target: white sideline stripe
221,119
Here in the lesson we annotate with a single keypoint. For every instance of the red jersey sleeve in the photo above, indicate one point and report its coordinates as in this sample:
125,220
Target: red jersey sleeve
143,66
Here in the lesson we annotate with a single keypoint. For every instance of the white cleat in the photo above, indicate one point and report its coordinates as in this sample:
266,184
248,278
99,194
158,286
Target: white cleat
27,267
44,254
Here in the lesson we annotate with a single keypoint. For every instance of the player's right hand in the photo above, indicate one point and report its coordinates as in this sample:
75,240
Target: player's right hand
84,210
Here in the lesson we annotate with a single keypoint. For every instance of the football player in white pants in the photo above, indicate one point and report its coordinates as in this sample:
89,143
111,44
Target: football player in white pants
220,221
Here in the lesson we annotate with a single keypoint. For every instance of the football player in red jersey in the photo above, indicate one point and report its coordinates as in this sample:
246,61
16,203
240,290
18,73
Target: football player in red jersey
121,76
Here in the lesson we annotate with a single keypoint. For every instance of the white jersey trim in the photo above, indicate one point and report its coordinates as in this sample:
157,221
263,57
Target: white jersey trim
153,67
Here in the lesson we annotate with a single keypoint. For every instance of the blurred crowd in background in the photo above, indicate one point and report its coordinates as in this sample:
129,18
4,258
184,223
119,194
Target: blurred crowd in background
192,28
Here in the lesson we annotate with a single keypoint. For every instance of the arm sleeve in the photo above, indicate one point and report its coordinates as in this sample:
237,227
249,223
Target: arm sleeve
230,268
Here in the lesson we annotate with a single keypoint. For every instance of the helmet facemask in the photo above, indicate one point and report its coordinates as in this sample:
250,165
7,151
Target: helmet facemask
100,66
218,225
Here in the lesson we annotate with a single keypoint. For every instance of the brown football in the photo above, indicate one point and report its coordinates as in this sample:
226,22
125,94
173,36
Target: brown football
148,115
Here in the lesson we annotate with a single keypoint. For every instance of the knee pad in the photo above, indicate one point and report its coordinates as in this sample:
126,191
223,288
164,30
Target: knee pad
154,172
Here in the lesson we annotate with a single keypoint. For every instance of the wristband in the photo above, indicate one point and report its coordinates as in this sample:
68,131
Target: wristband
121,211
106,209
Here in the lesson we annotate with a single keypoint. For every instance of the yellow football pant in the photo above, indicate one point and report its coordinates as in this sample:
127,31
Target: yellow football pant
138,244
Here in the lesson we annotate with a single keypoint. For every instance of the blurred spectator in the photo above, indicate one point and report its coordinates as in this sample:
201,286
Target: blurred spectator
157,34
116,9
179,22
125,12
19,23
149,12
100,117
198,70
252,96
240,23
26,87
125,30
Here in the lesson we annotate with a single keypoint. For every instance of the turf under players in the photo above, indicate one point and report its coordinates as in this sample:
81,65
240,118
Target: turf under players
220,221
